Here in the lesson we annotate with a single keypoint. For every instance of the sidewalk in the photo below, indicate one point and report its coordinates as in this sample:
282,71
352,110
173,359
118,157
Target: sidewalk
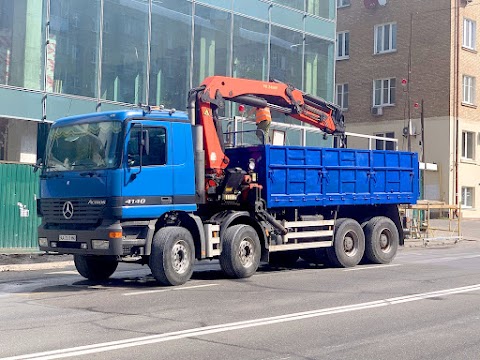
25,261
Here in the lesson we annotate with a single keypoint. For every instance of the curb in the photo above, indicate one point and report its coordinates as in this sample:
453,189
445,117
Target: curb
36,266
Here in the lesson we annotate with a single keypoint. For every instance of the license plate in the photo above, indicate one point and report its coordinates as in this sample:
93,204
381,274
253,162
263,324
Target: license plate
67,237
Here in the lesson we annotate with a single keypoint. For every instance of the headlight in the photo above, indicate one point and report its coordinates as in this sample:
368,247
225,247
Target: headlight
42,242
100,244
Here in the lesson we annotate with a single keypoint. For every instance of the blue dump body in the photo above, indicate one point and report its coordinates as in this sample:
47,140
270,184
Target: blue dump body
295,176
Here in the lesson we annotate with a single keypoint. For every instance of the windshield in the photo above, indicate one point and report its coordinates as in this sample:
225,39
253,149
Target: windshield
89,146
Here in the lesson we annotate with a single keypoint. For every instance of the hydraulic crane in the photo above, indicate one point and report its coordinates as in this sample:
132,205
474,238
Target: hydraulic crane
284,98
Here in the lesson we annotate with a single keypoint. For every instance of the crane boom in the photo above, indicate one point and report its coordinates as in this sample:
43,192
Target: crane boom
278,96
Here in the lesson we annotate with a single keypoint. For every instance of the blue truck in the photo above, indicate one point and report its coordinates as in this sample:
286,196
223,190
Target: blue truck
163,187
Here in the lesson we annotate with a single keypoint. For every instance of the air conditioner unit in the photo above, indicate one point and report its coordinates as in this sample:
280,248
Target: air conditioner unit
377,111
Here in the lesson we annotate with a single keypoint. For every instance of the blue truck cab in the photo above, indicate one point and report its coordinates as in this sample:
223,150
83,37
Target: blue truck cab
105,171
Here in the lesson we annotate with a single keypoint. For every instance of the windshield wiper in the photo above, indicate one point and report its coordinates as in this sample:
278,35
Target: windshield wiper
89,173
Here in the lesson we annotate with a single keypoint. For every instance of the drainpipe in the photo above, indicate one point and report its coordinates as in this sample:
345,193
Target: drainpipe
456,101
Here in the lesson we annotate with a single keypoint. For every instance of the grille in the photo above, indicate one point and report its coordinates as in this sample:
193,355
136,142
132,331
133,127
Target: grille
83,213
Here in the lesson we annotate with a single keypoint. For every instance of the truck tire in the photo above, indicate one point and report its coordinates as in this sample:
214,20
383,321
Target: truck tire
240,256
348,244
95,268
283,259
381,240
173,256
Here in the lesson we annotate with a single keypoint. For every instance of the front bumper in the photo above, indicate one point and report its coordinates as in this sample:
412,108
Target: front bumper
80,241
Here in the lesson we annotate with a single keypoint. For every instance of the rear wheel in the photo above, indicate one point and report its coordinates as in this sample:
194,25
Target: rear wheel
381,240
173,256
95,268
241,250
348,244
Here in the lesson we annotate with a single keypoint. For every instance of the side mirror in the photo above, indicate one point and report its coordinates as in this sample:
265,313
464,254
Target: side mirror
38,165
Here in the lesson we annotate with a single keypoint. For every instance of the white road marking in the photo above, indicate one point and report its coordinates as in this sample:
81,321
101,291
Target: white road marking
371,267
67,272
213,329
445,259
167,290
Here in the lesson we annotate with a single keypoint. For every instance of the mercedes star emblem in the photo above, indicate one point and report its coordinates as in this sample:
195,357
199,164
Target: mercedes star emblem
67,210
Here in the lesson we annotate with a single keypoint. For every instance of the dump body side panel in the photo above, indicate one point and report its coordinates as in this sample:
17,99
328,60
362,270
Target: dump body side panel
295,176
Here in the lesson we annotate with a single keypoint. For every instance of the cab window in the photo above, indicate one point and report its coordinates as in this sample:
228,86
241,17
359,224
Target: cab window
157,147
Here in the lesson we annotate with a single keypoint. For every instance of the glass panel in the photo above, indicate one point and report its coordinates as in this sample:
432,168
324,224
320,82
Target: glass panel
318,66
379,39
224,4
170,53
394,36
345,96
347,44
386,38
287,17
73,47
84,147
157,146
320,27
322,8
250,49
124,55
392,91
22,104
286,56
59,107
212,48
252,8
378,92
296,4
21,43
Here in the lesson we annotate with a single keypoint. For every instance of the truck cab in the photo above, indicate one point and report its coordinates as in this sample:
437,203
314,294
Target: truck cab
106,175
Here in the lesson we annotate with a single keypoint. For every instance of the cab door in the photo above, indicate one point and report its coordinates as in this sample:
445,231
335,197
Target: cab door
148,168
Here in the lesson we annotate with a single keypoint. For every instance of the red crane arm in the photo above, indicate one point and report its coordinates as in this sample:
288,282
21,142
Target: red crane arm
278,96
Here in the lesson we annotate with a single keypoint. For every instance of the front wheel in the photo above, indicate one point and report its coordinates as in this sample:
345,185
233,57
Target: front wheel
173,256
240,256
95,268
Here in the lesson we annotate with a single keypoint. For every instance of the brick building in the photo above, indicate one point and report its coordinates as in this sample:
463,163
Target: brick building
391,55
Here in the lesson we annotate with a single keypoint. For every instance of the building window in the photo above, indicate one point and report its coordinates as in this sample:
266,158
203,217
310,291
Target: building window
468,89
343,3
384,144
467,197
469,34
342,96
343,45
468,145
385,38
384,92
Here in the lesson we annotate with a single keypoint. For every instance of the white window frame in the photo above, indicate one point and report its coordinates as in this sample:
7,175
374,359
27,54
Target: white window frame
341,95
469,89
379,43
468,145
389,90
469,34
343,3
343,47
468,197
383,143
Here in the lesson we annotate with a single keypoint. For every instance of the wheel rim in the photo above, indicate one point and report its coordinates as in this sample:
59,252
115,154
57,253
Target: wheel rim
180,258
350,244
385,241
246,252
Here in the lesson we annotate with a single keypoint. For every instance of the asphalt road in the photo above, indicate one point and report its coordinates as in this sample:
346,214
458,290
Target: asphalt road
425,305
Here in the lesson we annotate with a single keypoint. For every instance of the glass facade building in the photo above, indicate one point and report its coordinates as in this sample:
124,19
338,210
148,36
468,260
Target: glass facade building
65,57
